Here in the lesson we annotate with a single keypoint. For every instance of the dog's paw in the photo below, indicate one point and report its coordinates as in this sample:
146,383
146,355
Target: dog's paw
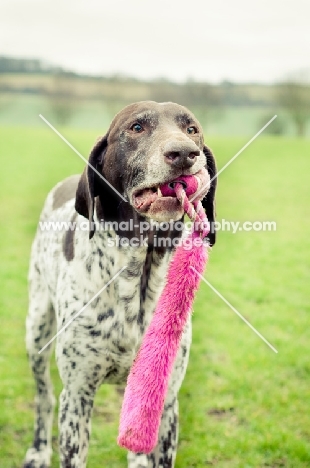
37,459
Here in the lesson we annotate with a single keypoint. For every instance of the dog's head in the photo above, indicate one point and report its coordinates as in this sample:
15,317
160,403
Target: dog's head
147,145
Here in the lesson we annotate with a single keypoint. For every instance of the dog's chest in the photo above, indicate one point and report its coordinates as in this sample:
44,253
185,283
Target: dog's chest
111,328
133,297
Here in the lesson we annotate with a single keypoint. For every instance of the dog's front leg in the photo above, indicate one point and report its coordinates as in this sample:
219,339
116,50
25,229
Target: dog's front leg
74,427
79,375
164,454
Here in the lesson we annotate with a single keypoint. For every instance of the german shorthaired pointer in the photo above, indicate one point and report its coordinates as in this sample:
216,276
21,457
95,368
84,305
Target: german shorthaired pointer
148,144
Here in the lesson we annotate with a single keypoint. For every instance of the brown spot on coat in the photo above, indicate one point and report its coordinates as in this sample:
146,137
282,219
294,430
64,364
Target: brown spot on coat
65,191
68,241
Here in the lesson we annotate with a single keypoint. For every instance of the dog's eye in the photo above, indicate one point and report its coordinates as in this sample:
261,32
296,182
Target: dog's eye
191,130
137,128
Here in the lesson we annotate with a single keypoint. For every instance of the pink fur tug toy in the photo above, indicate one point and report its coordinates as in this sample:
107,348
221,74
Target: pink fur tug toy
147,382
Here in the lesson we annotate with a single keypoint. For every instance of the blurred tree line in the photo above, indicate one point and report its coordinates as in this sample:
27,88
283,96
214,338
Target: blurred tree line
65,90
294,96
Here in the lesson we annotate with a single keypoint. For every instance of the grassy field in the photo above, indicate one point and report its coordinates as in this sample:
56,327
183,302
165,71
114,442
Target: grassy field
241,405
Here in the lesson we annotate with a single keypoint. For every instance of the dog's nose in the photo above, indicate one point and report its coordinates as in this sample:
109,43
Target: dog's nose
181,154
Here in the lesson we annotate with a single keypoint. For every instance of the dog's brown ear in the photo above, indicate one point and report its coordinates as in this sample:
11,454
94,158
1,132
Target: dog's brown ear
87,187
208,201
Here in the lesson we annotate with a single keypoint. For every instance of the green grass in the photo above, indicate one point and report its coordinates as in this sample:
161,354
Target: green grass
241,405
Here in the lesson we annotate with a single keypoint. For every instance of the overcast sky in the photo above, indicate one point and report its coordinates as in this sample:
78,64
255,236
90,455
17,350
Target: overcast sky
237,40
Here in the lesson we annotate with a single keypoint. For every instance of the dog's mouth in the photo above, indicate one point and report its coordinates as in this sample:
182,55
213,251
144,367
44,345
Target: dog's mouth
159,200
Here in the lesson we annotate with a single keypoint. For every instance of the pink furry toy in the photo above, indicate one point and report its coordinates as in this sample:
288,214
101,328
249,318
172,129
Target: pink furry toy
147,382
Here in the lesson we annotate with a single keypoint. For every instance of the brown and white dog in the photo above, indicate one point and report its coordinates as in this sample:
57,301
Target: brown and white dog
147,145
